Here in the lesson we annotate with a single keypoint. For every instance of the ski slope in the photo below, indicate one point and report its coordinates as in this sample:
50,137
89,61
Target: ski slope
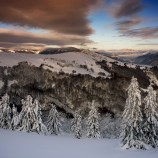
31,145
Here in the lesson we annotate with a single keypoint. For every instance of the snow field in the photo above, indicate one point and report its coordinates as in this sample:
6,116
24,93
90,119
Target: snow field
31,145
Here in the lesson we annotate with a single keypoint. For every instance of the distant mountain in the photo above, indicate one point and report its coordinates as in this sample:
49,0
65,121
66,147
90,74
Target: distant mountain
147,59
59,50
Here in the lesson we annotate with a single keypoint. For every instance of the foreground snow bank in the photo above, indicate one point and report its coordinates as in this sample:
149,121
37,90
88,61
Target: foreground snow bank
32,145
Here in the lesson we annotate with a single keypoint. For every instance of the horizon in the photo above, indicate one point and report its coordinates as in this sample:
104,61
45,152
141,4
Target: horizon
101,24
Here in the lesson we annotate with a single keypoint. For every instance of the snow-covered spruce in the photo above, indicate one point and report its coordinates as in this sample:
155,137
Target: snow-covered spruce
150,127
132,134
76,125
54,121
5,112
30,117
38,125
26,115
15,118
93,129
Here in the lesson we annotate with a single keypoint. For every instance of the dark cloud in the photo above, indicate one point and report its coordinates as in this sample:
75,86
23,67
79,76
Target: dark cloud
128,23
9,37
125,25
124,8
64,16
144,33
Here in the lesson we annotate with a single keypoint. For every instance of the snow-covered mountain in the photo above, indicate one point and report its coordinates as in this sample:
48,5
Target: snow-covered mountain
71,79
141,58
147,59
81,62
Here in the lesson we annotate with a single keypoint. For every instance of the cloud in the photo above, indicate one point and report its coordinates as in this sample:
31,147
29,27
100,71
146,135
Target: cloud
13,38
22,45
124,8
64,16
127,11
143,33
125,26
148,44
128,23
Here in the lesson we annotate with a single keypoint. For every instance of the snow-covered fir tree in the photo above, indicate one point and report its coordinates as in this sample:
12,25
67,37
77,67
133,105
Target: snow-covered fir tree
30,117
54,121
150,127
93,129
5,113
76,125
1,111
15,118
132,134
38,125
26,117
25,104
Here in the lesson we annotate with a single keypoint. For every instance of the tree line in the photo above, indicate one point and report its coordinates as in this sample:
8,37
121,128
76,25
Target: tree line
29,119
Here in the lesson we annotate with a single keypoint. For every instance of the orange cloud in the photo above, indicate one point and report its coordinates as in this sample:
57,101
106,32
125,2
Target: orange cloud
64,16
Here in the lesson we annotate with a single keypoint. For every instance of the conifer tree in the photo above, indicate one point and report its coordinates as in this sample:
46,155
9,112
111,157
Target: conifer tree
54,121
30,117
15,118
38,125
93,129
25,104
151,118
132,134
26,116
76,125
5,113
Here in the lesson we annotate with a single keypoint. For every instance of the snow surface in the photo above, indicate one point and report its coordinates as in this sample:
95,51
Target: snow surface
69,62
66,62
31,145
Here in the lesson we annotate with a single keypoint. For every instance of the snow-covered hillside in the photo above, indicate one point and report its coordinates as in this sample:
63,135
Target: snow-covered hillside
32,145
70,62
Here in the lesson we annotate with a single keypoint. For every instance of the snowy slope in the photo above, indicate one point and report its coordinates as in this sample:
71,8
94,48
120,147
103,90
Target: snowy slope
78,61
69,62
32,145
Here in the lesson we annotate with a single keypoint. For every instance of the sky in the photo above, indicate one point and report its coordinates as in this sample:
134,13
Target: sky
101,24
